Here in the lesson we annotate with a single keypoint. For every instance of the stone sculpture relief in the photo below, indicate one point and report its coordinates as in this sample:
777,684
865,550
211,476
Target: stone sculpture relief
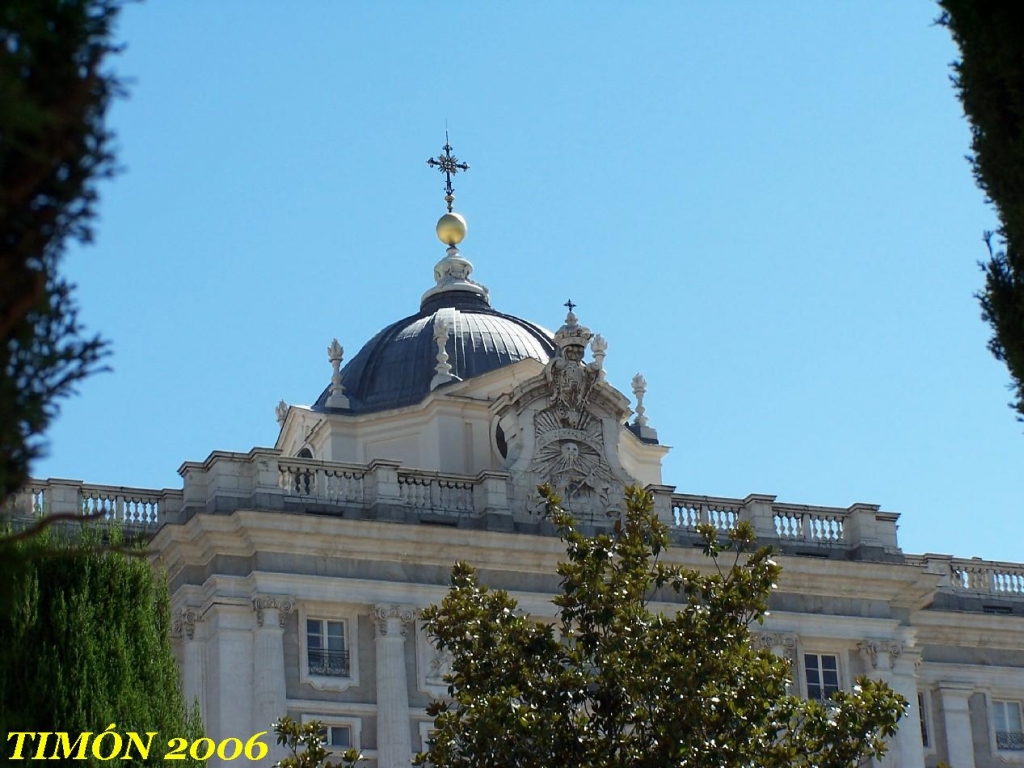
572,460
440,665
571,380
569,450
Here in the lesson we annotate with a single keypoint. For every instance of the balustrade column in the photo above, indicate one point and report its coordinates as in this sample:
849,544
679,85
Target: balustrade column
269,696
956,714
394,743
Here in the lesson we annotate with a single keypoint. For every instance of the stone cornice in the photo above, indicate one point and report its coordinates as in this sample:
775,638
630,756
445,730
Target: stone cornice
813,627
224,590
950,628
972,676
244,533
636,444
903,586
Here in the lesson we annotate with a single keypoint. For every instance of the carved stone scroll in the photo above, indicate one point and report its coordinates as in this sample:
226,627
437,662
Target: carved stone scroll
779,643
283,606
184,622
880,654
382,613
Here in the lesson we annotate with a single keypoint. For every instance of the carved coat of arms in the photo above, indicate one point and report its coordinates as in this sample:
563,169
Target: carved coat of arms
569,451
563,427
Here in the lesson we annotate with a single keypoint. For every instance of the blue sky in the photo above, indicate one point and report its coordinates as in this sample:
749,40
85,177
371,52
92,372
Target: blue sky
765,208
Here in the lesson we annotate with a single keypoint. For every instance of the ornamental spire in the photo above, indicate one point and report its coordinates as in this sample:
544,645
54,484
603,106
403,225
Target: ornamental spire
640,427
452,273
451,228
449,165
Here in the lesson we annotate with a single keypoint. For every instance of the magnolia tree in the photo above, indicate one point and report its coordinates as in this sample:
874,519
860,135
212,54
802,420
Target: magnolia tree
617,681
307,743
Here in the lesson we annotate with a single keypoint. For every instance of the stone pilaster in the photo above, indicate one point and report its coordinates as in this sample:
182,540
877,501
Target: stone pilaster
908,738
878,656
193,671
782,644
228,628
269,699
394,744
956,715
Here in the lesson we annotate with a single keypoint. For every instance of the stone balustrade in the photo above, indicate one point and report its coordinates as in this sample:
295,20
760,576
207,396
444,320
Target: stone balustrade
136,509
974,576
307,478
820,525
383,489
437,493
690,511
796,527
263,479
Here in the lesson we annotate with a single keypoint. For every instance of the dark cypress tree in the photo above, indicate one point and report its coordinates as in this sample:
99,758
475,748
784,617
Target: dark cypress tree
990,80
54,148
86,643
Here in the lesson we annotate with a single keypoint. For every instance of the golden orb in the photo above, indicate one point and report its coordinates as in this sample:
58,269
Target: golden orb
451,228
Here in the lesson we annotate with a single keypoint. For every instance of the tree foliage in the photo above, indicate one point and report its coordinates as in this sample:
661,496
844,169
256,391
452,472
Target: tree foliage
87,644
305,741
54,147
619,682
990,81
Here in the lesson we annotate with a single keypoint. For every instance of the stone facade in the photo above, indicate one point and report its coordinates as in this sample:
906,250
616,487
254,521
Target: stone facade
297,572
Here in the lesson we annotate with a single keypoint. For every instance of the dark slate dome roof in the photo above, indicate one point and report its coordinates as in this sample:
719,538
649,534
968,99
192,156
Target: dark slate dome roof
395,367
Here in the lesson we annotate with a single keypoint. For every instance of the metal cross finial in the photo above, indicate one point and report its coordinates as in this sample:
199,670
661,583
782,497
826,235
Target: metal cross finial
570,305
449,165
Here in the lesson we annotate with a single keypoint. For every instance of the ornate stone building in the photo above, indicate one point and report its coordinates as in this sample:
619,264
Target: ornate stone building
297,572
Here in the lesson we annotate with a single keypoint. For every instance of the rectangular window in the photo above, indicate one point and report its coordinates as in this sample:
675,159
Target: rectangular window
1009,726
427,732
924,720
325,647
821,671
338,733
339,736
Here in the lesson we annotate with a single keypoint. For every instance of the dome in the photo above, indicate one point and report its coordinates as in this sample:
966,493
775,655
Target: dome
395,367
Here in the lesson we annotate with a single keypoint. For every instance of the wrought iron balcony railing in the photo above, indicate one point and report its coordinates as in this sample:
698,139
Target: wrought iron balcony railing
1010,740
328,663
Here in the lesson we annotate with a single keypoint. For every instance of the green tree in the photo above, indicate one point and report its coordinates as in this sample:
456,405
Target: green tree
86,644
618,683
305,741
54,147
990,81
